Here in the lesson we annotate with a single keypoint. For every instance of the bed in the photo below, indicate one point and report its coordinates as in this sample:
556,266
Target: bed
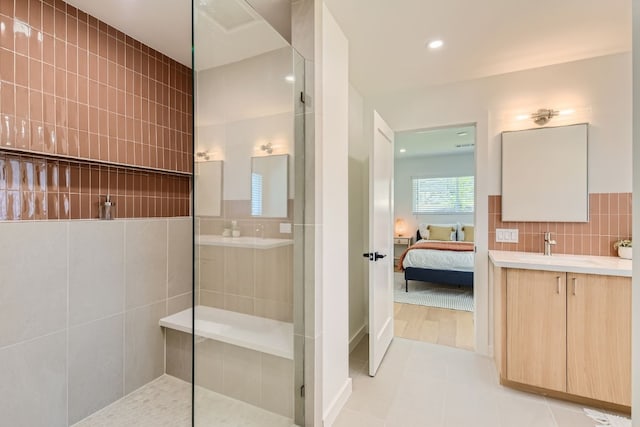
436,265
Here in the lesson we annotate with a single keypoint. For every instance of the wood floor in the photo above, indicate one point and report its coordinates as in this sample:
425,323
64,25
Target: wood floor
452,328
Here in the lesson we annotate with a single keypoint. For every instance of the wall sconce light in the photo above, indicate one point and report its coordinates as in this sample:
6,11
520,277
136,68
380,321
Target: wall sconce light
203,155
268,147
543,115
400,227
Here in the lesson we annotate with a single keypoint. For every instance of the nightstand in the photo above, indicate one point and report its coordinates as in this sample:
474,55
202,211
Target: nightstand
401,243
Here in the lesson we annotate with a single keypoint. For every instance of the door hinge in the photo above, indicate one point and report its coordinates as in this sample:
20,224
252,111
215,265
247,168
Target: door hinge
302,390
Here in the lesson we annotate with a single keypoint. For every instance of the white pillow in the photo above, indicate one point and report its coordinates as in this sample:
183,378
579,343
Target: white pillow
424,230
461,231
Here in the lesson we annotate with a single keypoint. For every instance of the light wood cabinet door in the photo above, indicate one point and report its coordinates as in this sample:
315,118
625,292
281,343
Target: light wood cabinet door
536,328
599,337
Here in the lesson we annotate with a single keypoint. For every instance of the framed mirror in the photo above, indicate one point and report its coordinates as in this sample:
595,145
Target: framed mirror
269,186
544,174
208,188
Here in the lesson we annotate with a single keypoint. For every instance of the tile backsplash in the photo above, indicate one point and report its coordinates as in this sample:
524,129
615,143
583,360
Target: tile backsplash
609,220
71,85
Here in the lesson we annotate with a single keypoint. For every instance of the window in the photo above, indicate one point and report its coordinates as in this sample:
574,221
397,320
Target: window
256,194
443,195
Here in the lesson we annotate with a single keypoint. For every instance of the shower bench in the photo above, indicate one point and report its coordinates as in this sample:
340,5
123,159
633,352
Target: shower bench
245,357
242,330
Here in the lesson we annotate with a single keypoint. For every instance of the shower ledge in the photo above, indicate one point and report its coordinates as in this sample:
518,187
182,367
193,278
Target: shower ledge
243,330
242,242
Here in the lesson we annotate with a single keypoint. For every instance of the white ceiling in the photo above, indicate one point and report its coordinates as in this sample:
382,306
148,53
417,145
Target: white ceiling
386,38
481,38
164,25
430,142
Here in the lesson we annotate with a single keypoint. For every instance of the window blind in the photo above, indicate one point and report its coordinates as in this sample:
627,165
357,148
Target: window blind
443,195
256,194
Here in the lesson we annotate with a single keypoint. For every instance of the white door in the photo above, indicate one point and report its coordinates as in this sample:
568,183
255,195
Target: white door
380,243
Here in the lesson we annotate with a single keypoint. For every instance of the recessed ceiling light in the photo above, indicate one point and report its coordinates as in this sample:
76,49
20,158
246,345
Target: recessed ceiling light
403,150
523,116
567,112
463,133
435,44
290,78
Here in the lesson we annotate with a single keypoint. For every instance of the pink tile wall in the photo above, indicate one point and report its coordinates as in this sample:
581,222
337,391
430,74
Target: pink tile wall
609,220
73,86
44,189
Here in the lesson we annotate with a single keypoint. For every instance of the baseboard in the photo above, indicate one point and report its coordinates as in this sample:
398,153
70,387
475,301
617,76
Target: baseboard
337,404
357,337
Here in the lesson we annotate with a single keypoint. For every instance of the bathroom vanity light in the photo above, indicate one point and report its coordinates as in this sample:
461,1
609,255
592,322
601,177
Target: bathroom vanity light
268,147
544,115
203,155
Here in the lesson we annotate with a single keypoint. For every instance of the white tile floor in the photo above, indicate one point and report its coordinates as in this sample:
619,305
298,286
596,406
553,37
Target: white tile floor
426,385
166,402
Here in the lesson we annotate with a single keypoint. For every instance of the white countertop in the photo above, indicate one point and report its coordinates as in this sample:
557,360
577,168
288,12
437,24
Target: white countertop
242,241
605,265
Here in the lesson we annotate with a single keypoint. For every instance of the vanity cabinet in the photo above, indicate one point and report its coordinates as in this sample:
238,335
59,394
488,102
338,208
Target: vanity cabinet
599,337
564,334
536,343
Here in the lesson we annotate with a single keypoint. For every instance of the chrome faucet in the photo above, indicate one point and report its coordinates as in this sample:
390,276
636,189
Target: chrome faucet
548,243
260,231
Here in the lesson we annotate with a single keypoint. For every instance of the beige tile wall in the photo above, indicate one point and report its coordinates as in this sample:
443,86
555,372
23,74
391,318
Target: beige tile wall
94,288
258,378
609,220
251,281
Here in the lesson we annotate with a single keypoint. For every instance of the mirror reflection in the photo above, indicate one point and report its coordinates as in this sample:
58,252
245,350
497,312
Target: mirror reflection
269,179
208,183
544,174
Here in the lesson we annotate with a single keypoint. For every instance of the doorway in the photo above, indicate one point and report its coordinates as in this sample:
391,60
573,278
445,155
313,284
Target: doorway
434,235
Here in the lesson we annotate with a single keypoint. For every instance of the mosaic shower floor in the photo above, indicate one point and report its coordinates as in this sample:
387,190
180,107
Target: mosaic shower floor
166,402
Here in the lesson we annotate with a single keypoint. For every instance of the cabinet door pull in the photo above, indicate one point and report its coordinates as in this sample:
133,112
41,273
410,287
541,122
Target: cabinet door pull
575,285
558,286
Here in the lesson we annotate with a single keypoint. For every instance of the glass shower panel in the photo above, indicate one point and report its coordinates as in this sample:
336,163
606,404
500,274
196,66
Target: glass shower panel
249,118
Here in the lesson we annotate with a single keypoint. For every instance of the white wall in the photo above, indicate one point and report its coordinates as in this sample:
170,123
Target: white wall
80,330
334,93
428,167
358,219
598,89
241,106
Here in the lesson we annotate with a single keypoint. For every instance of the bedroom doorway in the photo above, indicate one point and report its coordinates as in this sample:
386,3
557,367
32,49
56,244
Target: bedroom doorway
434,200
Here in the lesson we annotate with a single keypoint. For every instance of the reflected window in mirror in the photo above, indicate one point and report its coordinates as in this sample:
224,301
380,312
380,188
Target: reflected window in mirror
269,186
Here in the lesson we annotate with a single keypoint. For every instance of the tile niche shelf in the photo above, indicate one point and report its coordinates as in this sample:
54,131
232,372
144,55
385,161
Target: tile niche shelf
54,187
